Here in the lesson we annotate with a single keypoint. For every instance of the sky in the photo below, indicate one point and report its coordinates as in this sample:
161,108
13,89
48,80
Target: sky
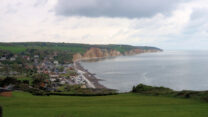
167,24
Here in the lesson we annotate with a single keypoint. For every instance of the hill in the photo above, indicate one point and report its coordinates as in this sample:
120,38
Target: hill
70,47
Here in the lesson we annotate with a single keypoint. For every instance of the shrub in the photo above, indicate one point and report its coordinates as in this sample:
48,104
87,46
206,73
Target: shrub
7,81
144,89
25,82
38,92
141,88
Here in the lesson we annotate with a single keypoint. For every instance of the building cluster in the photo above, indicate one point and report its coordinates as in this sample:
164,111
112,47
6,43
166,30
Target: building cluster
59,74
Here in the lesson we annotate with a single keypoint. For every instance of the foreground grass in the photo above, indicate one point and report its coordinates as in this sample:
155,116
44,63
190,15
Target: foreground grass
122,105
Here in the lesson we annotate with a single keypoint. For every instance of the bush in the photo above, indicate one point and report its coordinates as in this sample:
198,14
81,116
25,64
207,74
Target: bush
205,98
141,88
7,81
38,92
25,82
144,89
22,86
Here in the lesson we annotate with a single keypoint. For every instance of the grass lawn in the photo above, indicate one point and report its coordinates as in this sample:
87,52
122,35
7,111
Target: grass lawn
122,105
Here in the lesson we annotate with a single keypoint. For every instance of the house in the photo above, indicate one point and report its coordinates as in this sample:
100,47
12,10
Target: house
50,58
39,71
36,56
62,82
56,62
12,59
43,64
13,73
27,58
54,76
42,84
52,79
29,67
55,54
3,58
46,71
83,86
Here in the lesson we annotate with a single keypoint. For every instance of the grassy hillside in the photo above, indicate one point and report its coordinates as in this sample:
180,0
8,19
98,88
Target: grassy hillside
122,105
73,48
13,49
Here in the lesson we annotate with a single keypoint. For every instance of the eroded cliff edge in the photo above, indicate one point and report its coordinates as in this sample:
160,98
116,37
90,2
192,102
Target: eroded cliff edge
104,53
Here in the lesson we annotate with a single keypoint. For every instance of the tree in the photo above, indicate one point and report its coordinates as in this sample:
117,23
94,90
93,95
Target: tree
39,80
25,82
8,80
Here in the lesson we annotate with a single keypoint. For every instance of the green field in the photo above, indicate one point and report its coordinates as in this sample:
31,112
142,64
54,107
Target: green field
122,105
13,49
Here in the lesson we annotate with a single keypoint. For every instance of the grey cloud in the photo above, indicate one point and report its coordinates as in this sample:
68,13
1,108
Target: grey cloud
40,2
199,14
115,8
198,21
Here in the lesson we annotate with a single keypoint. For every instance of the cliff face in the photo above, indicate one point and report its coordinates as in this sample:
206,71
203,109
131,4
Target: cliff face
134,51
101,53
77,56
93,53
96,53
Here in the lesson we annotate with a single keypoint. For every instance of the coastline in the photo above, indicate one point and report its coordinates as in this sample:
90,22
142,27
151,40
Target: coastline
91,80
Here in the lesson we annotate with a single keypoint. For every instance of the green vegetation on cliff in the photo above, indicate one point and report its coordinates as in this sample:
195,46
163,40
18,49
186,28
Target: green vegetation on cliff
70,47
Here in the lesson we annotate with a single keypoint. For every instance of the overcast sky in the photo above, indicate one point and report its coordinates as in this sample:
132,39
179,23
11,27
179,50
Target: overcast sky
168,24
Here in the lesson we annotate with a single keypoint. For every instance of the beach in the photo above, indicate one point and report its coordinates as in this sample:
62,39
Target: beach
89,78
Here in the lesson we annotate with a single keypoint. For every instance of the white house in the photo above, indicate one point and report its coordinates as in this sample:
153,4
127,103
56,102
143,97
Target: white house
3,58
62,82
12,59
36,56
56,62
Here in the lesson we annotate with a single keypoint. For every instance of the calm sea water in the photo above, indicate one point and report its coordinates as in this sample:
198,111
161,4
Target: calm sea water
178,70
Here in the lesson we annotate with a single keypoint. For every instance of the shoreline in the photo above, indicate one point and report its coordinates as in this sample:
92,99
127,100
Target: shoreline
91,80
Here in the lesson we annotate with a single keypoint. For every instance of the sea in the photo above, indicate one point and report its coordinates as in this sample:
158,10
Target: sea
178,70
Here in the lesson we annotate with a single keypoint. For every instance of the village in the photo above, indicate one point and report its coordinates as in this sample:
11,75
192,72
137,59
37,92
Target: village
59,74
